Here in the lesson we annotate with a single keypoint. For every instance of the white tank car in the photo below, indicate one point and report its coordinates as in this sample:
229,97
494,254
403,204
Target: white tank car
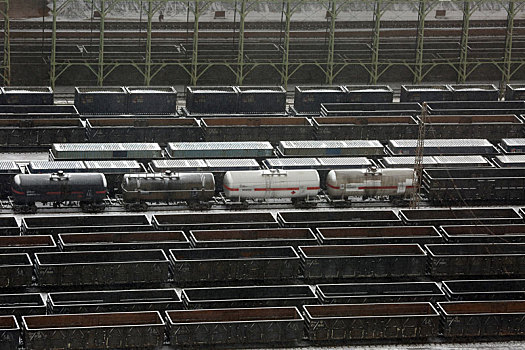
274,183
369,182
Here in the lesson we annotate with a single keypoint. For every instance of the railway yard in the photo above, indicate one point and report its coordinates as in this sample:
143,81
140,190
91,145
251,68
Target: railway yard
240,218
262,174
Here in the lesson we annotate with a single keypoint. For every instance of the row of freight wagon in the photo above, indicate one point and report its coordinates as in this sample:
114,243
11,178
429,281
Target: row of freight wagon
35,225
209,267
42,133
323,109
218,266
270,99
249,99
281,325
284,149
162,299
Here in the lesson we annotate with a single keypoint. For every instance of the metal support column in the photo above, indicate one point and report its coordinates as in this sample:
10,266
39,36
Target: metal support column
379,10
468,10
7,45
240,51
100,72
147,70
423,9
332,12
53,63
195,47
513,8
286,45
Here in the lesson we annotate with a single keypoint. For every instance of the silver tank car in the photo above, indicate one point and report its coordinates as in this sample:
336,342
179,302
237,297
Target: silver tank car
273,183
369,182
89,189
167,187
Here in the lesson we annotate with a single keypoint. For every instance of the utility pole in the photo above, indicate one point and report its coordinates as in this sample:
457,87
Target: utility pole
418,161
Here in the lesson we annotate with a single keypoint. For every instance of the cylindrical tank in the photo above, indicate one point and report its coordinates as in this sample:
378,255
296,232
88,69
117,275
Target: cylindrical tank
369,182
59,187
168,186
274,183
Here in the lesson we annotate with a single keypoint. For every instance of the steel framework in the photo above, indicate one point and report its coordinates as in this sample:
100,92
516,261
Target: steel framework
241,67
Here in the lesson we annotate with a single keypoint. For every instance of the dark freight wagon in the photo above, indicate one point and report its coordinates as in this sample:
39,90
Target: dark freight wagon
308,99
491,127
211,99
151,100
261,99
423,93
16,270
42,133
369,93
474,92
101,268
22,304
252,237
255,296
27,244
379,235
459,216
9,333
477,259
496,289
160,130
114,301
476,107
483,318
371,321
363,261
515,92
498,185
9,226
123,240
119,330
27,95
187,222
256,129
338,218
208,265
370,109
235,326
87,223
364,128
353,293
484,233
101,100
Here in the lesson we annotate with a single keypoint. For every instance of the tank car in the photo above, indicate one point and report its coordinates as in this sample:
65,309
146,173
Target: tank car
396,184
194,188
297,185
87,189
